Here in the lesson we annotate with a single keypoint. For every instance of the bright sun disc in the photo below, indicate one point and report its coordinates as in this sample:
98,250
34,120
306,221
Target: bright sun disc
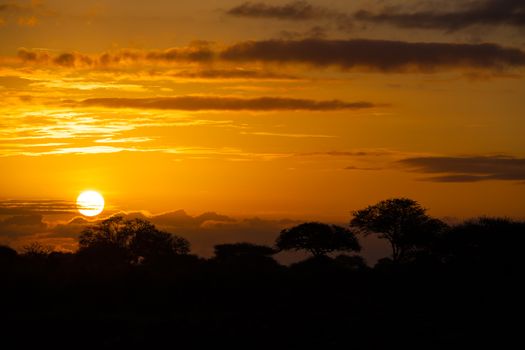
90,203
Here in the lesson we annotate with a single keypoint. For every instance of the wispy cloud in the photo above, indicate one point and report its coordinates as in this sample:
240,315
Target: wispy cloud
24,14
263,133
125,140
235,73
197,103
352,153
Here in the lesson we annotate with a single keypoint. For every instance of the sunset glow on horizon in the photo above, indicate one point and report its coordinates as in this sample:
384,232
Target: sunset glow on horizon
272,110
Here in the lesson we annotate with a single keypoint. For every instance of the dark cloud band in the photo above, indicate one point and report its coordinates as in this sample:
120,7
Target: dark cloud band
196,103
295,10
359,54
480,12
377,55
468,169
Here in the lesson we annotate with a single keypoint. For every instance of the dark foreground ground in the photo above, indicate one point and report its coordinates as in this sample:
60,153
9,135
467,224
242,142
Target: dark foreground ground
68,300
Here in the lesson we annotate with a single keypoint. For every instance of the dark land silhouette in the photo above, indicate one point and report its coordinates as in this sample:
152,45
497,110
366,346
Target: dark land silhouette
132,285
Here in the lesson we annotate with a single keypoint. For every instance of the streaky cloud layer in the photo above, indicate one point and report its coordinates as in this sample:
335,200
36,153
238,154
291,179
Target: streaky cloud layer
363,55
196,103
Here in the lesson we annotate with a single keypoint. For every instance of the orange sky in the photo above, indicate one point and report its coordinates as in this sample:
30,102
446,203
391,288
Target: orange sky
277,109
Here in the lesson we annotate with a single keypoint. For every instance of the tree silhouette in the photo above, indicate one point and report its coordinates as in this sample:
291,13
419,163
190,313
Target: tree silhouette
318,239
401,221
136,240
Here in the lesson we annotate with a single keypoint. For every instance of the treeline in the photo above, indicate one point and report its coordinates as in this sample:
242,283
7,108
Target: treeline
130,283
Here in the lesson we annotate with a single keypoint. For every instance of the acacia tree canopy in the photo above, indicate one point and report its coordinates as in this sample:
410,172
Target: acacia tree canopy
318,239
401,221
138,239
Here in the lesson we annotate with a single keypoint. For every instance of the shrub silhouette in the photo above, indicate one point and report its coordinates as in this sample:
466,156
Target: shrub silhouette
36,250
7,255
247,259
351,262
239,250
318,239
484,241
401,221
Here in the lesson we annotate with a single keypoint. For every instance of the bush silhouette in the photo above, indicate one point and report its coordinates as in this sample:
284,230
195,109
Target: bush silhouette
239,250
7,255
496,242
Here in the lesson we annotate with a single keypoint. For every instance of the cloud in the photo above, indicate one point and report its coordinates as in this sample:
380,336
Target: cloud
356,153
197,51
25,15
298,136
239,74
30,21
292,11
471,13
197,103
378,55
355,54
21,226
30,207
12,82
468,169
138,139
296,10
353,167
200,52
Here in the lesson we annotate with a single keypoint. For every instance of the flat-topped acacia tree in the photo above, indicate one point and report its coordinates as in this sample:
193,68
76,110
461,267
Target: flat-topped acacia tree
317,238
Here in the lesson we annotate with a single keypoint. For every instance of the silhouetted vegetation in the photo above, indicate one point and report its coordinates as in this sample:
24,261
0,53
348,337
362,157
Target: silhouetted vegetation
401,221
135,241
130,284
318,239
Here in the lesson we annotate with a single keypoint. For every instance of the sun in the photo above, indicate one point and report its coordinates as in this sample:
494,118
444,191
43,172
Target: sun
90,203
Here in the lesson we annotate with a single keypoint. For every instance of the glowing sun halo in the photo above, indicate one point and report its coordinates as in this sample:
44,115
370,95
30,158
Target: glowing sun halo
90,203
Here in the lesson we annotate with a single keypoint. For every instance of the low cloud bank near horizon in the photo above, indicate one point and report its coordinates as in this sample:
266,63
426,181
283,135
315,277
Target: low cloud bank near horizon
204,231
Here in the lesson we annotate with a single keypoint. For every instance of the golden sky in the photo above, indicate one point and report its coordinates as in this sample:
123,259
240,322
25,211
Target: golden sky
301,110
